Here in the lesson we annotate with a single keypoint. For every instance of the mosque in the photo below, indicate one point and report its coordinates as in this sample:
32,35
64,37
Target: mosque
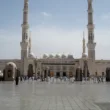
58,65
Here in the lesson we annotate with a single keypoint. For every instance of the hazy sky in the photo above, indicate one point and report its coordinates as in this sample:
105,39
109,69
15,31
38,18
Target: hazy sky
57,27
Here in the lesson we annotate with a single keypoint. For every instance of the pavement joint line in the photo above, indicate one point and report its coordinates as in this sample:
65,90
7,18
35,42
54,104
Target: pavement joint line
76,103
63,103
69,102
41,104
83,102
93,104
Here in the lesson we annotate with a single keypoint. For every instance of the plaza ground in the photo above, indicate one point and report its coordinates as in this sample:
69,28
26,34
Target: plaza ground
32,95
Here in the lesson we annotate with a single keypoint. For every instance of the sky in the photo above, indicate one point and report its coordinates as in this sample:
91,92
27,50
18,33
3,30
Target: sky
56,27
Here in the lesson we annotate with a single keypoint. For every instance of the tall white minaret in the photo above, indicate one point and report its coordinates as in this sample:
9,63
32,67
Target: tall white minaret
84,45
24,42
29,51
91,44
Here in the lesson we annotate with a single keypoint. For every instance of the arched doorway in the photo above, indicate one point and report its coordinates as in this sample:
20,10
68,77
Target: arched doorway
107,74
78,76
64,74
9,73
30,70
45,73
57,74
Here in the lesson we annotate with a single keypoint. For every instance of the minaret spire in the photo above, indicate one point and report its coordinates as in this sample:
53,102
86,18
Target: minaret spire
25,24
91,44
84,47
90,22
24,42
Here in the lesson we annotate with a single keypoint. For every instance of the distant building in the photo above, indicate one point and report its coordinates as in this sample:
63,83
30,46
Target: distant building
58,65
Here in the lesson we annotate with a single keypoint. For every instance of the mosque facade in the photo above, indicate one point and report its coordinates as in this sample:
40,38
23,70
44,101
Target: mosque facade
58,65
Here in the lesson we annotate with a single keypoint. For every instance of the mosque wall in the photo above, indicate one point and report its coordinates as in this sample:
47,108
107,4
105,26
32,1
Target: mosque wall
101,66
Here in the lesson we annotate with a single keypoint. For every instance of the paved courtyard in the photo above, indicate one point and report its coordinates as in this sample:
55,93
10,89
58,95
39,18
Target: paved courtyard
32,95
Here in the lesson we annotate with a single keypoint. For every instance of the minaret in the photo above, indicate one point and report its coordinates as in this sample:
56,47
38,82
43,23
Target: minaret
91,44
24,42
29,51
84,47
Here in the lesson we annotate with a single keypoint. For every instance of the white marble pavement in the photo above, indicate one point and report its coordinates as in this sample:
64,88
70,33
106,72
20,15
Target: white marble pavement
32,95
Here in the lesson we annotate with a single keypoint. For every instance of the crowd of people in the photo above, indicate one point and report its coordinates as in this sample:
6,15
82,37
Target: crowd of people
53,79
94,79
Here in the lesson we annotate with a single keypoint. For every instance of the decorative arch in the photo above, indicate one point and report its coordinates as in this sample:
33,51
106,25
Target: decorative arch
9,73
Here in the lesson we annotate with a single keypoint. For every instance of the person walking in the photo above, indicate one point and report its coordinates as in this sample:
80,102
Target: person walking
17,78
21,78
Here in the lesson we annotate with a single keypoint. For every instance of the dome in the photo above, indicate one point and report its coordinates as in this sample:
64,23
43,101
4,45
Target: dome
70,56
32,55
57,56
45,56
63,56
12,64
51,56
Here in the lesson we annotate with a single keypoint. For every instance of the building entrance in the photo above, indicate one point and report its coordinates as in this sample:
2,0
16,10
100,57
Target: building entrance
10,71
45,73
64,74
30,70
58,74
108,74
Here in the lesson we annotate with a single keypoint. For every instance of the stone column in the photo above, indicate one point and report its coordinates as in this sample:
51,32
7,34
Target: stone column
61,71
40,68
54,71
67,71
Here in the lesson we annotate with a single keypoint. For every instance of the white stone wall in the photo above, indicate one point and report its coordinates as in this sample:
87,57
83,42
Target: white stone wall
101,66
